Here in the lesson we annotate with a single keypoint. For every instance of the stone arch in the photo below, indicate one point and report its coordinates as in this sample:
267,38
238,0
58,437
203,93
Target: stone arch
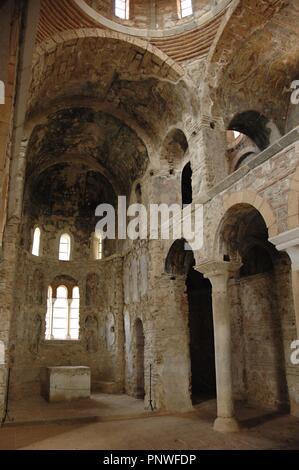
174,149
50,51
196,314
261,130
179,260
63,280
41,118
256,294
50,44
239,220
253,199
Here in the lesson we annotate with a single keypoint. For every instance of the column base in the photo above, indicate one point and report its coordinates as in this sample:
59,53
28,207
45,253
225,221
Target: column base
226,425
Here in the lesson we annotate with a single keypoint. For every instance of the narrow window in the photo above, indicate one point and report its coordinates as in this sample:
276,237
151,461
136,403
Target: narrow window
98,246
185,8
36,242
60,314
122,9
74,314
49,315
65,247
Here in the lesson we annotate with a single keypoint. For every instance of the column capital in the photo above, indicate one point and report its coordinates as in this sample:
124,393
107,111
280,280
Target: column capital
211,269
288,241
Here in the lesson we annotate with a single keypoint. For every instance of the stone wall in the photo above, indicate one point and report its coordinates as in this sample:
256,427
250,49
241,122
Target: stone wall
136,305
100,345
9,43
263,327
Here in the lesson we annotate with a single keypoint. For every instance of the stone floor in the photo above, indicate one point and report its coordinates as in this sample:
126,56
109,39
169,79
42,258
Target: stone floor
121,423
99,406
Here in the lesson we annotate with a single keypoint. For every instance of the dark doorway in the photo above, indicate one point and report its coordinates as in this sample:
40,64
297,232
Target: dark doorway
202,351
139,359
187,185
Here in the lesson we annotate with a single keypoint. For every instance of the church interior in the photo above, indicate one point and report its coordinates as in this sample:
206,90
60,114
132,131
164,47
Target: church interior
147,343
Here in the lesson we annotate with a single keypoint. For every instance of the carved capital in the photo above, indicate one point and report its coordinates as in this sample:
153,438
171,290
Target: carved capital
218,272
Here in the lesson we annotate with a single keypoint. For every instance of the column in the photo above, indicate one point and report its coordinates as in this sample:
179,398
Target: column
69,307
52,316
219,273
289,241
171,365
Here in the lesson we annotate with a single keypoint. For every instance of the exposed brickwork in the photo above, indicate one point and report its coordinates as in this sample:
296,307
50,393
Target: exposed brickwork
112,112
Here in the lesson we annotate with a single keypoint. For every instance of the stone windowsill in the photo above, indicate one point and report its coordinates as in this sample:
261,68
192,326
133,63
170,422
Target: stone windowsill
61,341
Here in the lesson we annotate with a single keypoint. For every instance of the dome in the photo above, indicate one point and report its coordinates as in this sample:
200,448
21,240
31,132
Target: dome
153,18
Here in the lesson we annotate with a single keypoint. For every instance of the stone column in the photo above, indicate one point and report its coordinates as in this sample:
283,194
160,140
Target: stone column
69,306
289,241
171,365
219,273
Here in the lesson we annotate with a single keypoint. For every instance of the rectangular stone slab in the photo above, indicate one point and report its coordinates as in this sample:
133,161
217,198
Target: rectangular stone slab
65,383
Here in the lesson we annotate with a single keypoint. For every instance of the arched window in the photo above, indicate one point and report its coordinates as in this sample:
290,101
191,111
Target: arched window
122,9
62,319
185,8
60,314
65,247
36,242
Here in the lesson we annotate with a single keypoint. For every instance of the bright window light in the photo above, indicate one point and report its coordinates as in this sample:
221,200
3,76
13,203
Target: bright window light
185,8
62,319
65,247
36,242
49,314
74,315
122,9
60,314
98,246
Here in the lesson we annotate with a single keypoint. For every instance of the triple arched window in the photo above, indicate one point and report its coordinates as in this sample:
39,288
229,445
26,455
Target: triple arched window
62,319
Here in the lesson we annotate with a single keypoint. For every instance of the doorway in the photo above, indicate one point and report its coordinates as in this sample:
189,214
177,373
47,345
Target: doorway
202,351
